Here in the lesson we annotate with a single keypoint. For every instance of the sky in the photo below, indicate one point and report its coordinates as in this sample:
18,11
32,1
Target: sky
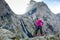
19,6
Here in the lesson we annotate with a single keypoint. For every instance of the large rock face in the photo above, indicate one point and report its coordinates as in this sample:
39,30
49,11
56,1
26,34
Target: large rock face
58,15
23,25
41,10
8,20
6,35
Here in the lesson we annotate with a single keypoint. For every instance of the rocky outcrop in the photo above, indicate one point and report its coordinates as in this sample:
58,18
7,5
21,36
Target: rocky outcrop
41,10
58,15
6,34
23,26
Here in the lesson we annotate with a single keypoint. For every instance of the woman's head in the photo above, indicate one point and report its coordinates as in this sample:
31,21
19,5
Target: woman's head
37,18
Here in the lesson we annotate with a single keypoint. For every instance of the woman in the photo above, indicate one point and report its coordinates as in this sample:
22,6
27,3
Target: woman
39,24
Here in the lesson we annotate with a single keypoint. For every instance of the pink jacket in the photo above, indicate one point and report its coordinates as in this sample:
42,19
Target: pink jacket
39,23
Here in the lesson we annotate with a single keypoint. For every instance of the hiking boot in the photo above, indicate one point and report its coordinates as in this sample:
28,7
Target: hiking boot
36,35
42,34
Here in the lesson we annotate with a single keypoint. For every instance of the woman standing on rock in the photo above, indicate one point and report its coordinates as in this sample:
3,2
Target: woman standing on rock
39,24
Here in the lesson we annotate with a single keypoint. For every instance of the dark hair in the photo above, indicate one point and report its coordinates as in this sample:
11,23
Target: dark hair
37,18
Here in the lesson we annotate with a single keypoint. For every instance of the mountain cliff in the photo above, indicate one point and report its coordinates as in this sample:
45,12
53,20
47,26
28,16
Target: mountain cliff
23,26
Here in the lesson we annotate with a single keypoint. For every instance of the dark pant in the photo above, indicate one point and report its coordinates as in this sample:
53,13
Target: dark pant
38,29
